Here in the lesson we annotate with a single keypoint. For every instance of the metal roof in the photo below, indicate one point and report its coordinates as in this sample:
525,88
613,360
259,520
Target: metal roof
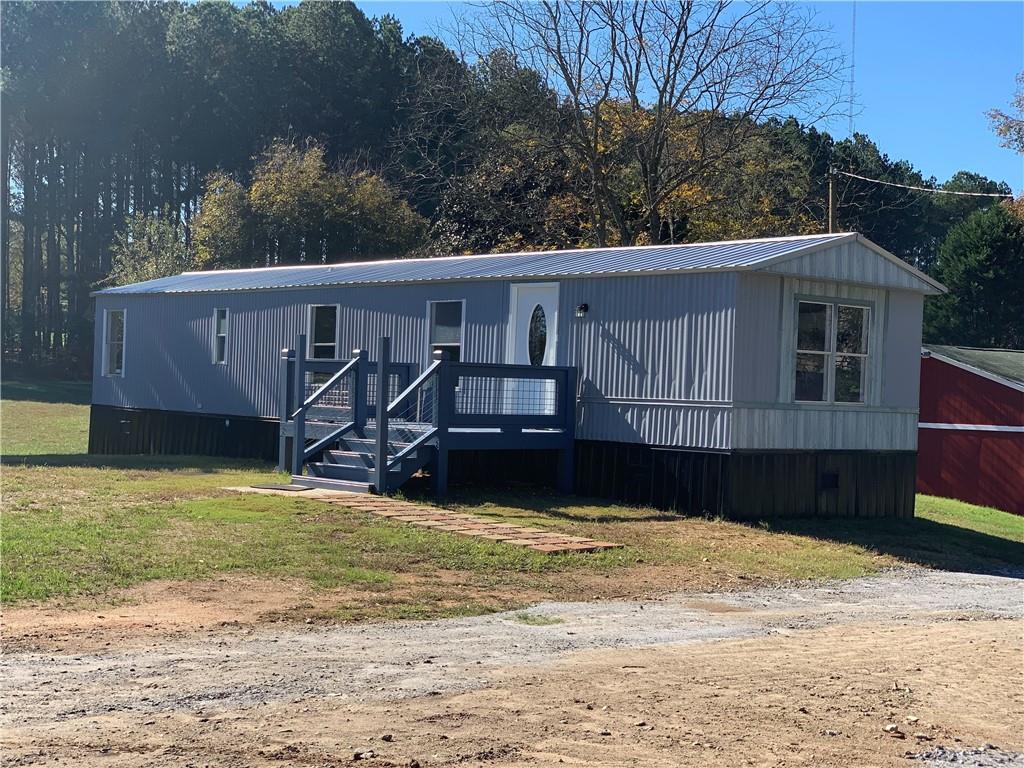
695,257
1005,364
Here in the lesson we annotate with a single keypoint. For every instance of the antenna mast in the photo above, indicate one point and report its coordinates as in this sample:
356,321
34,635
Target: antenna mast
853,65
831,200
849,110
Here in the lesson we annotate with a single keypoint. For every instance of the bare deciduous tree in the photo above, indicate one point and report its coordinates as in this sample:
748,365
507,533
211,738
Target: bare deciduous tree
663,92
1009,127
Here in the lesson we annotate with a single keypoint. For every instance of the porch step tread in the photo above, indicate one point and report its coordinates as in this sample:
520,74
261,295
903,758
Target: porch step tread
394,446
340,472
342,486
350,458
362,472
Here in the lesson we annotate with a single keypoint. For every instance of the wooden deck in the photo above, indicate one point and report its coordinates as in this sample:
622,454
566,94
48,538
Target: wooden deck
362,426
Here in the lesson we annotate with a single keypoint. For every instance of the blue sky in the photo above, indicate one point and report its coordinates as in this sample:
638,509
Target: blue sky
926,73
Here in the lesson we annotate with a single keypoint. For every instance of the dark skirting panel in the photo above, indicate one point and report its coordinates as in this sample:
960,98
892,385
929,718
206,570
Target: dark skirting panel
739,485
141,431
735,484
768,484
535,467
750,485
691,482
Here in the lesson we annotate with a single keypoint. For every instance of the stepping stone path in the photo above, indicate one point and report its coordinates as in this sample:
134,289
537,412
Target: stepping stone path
536,539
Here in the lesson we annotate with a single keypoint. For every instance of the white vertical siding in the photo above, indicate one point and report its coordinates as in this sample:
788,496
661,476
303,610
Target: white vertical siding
168,359
655,357
760,301
764,414
849,262
811,428
901,372
685,360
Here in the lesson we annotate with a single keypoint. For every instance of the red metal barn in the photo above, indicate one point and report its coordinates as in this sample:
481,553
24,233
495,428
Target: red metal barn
971,431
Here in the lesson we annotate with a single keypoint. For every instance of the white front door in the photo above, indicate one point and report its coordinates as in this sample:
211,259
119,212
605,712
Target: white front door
533,324
533,339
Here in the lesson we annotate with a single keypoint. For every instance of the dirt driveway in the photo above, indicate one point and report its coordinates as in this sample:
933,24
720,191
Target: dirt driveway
809,676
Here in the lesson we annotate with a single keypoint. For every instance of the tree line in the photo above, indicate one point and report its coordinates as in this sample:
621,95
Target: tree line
140,139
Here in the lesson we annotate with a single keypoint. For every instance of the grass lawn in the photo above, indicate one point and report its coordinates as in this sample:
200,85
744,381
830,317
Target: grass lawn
44,418
77,525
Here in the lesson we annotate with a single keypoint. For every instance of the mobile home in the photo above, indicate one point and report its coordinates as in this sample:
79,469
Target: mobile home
745,378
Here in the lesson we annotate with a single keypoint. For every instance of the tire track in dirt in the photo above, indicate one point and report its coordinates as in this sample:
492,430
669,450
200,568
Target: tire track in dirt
304,693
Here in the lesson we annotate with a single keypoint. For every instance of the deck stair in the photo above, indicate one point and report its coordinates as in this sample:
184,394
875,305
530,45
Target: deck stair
367,427
351,464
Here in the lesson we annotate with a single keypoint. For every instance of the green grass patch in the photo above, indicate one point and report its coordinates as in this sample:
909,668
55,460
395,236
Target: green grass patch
75,524
100,529
653,537
47,391
971,517
944,533
535,619
35,428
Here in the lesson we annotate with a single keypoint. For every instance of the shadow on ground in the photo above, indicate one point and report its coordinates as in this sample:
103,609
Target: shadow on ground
548,503
205,464
919,541
73,392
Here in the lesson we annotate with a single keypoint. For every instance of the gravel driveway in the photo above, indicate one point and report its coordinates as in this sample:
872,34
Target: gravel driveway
284,665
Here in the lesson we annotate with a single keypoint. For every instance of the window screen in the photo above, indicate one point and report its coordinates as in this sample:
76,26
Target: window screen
446,328
812,346
323,332
113,343
851,353
220,335
831,352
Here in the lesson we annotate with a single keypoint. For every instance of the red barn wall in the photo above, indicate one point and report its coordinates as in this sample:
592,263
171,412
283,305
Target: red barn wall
979,466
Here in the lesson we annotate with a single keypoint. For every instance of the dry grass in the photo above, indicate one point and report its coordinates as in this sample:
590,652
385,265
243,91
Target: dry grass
76,525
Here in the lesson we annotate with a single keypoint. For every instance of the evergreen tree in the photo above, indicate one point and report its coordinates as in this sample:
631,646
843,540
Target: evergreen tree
250,134
981,262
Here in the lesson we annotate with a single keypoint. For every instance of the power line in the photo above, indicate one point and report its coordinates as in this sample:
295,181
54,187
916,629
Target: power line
925,189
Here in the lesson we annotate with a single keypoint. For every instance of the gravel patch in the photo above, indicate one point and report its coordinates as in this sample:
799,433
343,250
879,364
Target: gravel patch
986,757
238,668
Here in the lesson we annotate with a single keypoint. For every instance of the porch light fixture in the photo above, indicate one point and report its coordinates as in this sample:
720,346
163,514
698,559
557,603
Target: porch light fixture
582,309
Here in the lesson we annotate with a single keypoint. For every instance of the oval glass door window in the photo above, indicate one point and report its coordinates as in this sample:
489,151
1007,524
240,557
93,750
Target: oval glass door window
537,341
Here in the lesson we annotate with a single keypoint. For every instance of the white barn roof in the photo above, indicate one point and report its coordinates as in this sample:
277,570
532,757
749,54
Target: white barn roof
734,255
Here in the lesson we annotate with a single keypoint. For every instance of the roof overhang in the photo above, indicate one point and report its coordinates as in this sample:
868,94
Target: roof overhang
925,352
932,286
814,244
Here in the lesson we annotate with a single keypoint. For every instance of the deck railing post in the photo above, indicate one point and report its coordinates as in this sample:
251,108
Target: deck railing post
443,406
381,458
567,409
299,423
285,399
360,378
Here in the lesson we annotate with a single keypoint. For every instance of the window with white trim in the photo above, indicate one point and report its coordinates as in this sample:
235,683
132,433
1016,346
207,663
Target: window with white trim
831,352
323,331
220,336
446,328
113,342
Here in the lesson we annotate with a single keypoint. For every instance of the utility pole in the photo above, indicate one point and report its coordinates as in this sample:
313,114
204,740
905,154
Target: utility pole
831,201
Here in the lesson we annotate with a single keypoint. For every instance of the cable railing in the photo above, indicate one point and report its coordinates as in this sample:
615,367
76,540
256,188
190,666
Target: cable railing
450,405
337,397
